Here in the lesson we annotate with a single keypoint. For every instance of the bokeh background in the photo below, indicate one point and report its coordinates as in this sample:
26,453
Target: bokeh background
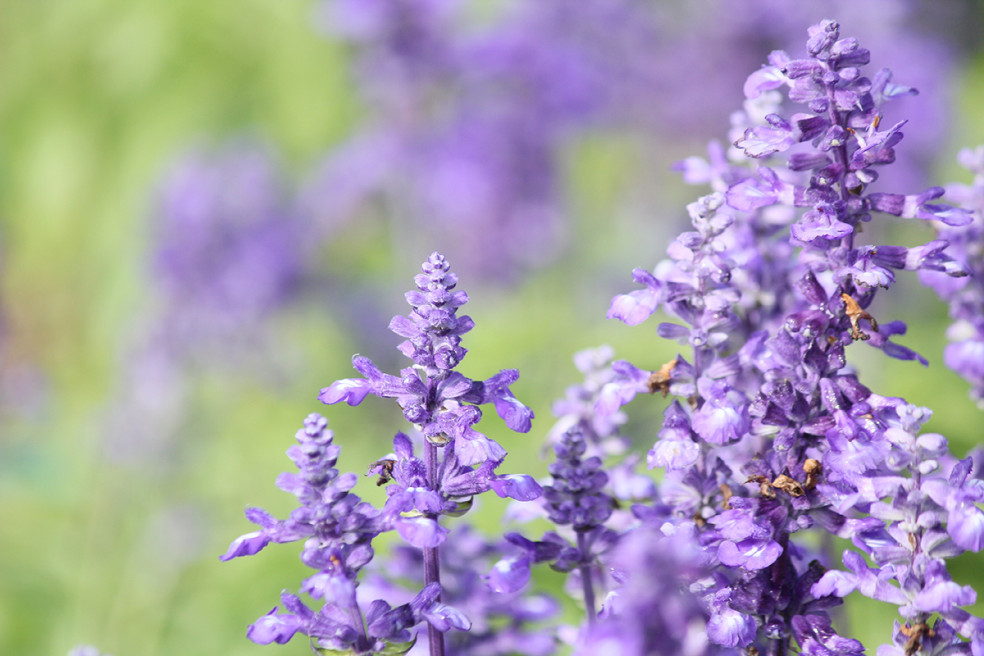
207,207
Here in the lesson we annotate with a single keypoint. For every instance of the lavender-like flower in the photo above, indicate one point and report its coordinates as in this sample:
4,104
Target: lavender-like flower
574,498
653,612
441,402
337,528
227,252
576,411
771,409
443,406
965,353
931,516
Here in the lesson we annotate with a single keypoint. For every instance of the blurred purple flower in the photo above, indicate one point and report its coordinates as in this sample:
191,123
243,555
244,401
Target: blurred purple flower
500,623
228,247
965,353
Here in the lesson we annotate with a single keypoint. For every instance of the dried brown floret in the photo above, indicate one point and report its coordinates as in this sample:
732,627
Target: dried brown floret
856,314
660,380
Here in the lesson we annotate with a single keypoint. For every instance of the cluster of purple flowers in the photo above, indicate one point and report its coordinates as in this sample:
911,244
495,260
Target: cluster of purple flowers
229,253
468,120
501,623
337,528
770,445
776,436
458,463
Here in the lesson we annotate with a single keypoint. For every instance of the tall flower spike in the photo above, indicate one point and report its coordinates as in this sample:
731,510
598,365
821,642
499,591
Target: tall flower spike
444,406
772,435
575,498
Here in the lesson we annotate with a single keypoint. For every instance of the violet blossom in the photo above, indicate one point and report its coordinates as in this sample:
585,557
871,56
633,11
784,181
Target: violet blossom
576,409
227,254
772,408
575,497
770,437
654,611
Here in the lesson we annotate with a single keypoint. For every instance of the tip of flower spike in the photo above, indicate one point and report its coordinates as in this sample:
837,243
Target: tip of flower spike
436,261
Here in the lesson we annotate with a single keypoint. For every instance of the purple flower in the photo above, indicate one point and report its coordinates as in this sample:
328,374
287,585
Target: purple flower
500,622
965,353
771,434
458,462
653,612
931,516
575,496
337,529
723,417
228,246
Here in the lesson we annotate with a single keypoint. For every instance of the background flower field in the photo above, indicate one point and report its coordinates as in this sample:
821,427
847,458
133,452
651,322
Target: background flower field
206,208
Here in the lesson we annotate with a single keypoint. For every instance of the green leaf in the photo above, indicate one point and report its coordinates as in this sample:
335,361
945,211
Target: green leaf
461,508
324,651
398,648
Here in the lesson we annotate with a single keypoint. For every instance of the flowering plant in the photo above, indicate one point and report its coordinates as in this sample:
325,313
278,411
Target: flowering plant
770,447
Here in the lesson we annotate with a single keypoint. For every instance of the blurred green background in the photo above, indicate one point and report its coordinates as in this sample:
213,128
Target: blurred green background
97,97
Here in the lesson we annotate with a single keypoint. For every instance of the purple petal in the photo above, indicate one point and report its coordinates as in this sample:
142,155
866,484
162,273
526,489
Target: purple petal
764,79
673,454
444,618
750,554
943,596
510,574
350,390
835,582
966,526
402,446
246,545
516,486
422,532
516,415
478,449
273,628
729,628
